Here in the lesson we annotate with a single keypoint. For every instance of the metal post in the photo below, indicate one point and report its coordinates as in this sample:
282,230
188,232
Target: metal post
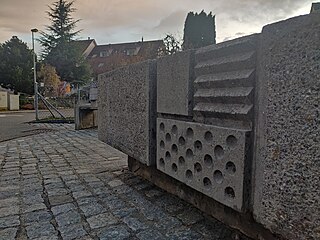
35,76
78,94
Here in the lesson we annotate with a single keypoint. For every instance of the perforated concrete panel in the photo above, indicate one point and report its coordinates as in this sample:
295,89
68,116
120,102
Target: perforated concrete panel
207,158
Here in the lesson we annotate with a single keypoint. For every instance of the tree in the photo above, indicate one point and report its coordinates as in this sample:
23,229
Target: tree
60,49
171,45
199,30
16,64
49,77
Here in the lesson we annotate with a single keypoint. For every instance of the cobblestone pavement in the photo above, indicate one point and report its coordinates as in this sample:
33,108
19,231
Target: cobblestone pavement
65,184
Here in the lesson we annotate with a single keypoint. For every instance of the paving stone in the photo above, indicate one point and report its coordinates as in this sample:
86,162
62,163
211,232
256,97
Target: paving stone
102,220
64,208
190,216
8,202
81,194
8,234
135,224
58,200
71,217
118,232
47,238
91,209
167,223
123,212
42,229
183,233
115,183
150,234
9,211
32,199
38,216
73,231
9,221
34,207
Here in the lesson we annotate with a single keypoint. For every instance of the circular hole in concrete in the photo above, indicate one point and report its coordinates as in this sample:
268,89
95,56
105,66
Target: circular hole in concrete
231,168
189,175
174,129
208,136
162,126
197,167
232,141
218,177
182,141
161,162
168,137
162,145
174,148
189,133
207,182
174,167
198,146
229,193
208,160
181,161
168,156
218,152
189,153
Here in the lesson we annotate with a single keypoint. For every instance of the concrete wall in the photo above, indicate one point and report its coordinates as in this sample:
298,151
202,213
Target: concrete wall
127,110
248,137
3,100
287,156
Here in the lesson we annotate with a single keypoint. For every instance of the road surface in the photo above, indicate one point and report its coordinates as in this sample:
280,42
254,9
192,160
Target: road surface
15,124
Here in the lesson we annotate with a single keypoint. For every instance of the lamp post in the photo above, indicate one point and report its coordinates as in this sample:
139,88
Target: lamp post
34,30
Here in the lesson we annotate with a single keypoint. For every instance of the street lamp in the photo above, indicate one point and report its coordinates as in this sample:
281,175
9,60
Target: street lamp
34,30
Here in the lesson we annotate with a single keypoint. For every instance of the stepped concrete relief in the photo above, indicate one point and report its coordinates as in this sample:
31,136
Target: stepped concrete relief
237,122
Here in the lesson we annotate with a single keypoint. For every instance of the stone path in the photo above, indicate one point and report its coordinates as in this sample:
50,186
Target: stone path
65,184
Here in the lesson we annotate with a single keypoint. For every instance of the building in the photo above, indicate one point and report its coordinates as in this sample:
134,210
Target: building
315,7
104,58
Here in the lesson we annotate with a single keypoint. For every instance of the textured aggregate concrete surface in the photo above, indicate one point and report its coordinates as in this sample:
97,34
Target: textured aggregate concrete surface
288,133
175,83
127,110
66,184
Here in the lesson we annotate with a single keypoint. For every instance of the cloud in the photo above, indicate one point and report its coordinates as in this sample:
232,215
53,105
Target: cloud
126,20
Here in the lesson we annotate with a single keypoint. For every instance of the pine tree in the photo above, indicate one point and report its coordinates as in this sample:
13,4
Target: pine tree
16,66
62,26
60,49
199,30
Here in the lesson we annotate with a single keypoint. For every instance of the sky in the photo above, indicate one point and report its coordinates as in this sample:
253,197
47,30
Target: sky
115,21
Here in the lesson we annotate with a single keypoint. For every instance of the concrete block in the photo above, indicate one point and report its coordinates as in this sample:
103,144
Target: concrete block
85,116
175,83
127,110
209,159
286,193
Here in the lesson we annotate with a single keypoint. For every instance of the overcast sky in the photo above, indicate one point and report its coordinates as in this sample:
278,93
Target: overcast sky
113,21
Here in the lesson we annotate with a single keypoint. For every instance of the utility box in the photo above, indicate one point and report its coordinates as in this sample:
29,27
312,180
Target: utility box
3,100
13,103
